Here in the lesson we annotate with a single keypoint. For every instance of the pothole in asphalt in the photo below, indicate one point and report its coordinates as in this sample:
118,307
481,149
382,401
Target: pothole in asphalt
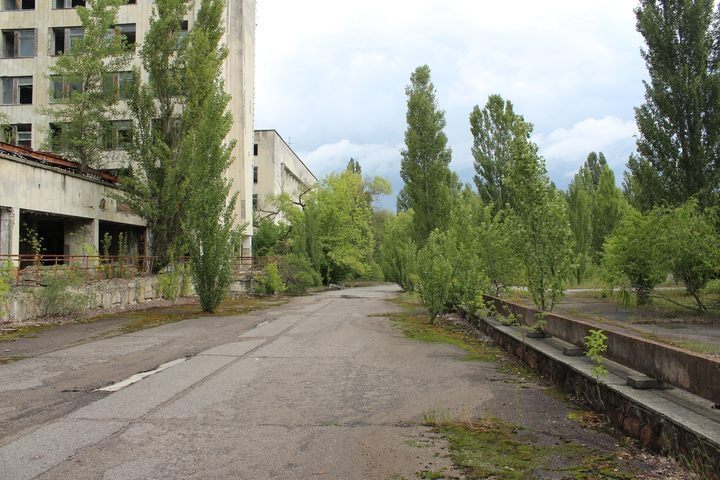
139,376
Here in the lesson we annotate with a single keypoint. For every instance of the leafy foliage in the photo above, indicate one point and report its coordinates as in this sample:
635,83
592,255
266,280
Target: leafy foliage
425,159
298,274
542,225
494,129
633,258
56,298
212,237
270,283
157,187
399,252
679,123
83,72
596,345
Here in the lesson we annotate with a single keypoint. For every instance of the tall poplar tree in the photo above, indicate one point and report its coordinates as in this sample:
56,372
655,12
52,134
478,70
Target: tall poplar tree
426,157
679,141
494,128
212,237
80,78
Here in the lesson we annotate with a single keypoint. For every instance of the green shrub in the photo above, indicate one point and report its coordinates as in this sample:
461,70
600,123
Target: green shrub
174,282
298,274
56,298
5,284
270,283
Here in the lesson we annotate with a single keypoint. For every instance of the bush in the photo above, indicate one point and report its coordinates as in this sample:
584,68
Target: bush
270,283
633,257
56,298
175,282
5,283
298,274
398,251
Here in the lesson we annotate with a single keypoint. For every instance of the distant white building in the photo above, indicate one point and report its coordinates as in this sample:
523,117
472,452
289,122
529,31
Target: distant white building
277,169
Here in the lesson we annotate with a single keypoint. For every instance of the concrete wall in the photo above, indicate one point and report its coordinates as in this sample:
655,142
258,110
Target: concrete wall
694,373
280,170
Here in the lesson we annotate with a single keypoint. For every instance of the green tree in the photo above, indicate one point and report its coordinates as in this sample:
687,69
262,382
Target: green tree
633,256
580,210
609,206
541,212
679,141
82,75
212,237
426,157
354,166
398,251
689,243
157,187
493,129
592,169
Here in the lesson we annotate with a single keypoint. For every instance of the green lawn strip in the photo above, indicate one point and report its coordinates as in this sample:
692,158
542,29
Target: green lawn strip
24,331
489,448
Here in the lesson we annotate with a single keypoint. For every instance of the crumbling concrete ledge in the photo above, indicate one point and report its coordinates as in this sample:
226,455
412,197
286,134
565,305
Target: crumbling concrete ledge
671,421
687,370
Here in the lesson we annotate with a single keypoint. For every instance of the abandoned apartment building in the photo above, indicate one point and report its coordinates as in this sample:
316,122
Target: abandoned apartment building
32,34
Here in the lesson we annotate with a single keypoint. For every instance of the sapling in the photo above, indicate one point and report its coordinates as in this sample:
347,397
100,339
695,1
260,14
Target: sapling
596,345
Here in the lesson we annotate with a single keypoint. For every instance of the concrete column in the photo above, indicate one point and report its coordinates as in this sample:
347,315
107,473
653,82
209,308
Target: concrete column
95,234
15,235
247,246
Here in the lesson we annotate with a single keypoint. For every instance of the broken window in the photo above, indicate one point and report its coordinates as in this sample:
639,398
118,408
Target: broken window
18,5
68,3
21,135
118,135
118,84
64,37
18,43
17,90
128,31
61,89
56,137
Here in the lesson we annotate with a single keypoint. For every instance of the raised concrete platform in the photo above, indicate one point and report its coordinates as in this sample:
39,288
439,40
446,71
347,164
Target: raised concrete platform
672,421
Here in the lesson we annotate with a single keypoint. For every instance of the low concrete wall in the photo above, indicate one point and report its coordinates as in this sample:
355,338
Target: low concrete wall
654,430
23,306
691,372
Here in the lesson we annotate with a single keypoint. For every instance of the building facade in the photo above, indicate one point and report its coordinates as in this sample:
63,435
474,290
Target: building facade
277,169
34,32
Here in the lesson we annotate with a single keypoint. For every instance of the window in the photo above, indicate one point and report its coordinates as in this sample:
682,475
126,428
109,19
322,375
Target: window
118,135
64,37
118,84
68,3
18,43
255,201
255,174
17,90
62,89
255,149
184,27
21,135
18,5
128,31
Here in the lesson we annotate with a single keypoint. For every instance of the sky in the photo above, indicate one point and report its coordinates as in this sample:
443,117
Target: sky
331,76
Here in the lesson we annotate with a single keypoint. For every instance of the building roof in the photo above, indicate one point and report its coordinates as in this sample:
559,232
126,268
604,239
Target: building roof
56,161
272,130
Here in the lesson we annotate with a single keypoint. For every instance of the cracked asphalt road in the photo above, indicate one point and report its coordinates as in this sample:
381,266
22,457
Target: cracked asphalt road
317,388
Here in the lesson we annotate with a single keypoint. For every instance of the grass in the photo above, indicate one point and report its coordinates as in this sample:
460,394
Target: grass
154,317
6,360
24,332
489,448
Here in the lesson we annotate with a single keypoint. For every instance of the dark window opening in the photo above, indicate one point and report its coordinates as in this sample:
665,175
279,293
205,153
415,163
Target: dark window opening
21,135
63,39
255,174
16,90
18,43
128,32
18,5
255,201
255,149
118,135
69,3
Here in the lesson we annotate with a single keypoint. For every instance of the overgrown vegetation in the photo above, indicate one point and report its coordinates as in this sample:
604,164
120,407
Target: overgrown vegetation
58,297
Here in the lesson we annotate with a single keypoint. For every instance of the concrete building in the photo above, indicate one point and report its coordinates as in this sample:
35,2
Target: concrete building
277,169
34,32
69,209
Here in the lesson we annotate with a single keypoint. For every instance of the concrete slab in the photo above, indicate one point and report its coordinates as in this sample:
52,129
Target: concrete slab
50,445
139,399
